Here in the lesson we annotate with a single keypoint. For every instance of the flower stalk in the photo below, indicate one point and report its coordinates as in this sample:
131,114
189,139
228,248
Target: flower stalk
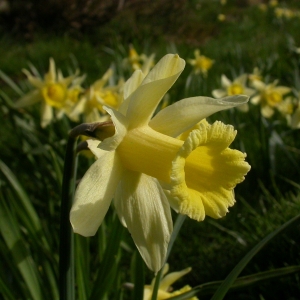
66,247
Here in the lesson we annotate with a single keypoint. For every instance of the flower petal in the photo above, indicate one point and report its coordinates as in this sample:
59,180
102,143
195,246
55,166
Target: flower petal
46,114
29,99
225,82
219,93
93,145
184,114
141,201
121,124
145,99
170,278
205,172
129,87
94,194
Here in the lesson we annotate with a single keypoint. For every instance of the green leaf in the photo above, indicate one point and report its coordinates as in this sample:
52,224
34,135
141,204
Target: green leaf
82,266
210,287
10,231
25,204
229,280
178,224
106,275
10,82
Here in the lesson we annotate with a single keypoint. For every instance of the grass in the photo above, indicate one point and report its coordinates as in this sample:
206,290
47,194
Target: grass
268,198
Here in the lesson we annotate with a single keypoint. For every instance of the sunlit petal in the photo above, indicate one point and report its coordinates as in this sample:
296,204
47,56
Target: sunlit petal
146,211
184,114
94,194
145,99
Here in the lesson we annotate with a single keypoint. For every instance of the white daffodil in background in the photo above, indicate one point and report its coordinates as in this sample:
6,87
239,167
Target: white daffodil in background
235,87
53,91
165,286
269,96
99,94
200,63
147,169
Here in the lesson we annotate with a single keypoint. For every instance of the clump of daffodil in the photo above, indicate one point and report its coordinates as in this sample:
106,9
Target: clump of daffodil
174,159
99,94
283,12
235,87
139,61
165,290
269,96
54,92
200,63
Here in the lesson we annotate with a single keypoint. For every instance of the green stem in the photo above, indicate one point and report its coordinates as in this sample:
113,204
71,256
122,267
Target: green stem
179,222
66,246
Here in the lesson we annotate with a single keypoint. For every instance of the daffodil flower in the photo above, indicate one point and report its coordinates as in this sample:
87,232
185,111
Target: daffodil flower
152,164
98,95
52,92
165,289
139,61
269,96
235,87
200,63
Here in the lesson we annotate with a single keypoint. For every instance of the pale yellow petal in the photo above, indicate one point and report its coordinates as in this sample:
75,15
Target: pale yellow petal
147,214
170,278
267,111
219,93
129,87
29,99
46,114
145,99
184,114
94,194
121,125
225,82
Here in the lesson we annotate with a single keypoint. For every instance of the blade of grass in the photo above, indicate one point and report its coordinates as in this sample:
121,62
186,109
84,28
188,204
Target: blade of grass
210,287
66,245
11,233
105,274
178,224
82,266
225,286
11,83
33,223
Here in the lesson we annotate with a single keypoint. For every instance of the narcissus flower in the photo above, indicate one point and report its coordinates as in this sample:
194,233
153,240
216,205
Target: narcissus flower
269,96
98,95
165,290
200,63
175,159
53,92
235,87
139,61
